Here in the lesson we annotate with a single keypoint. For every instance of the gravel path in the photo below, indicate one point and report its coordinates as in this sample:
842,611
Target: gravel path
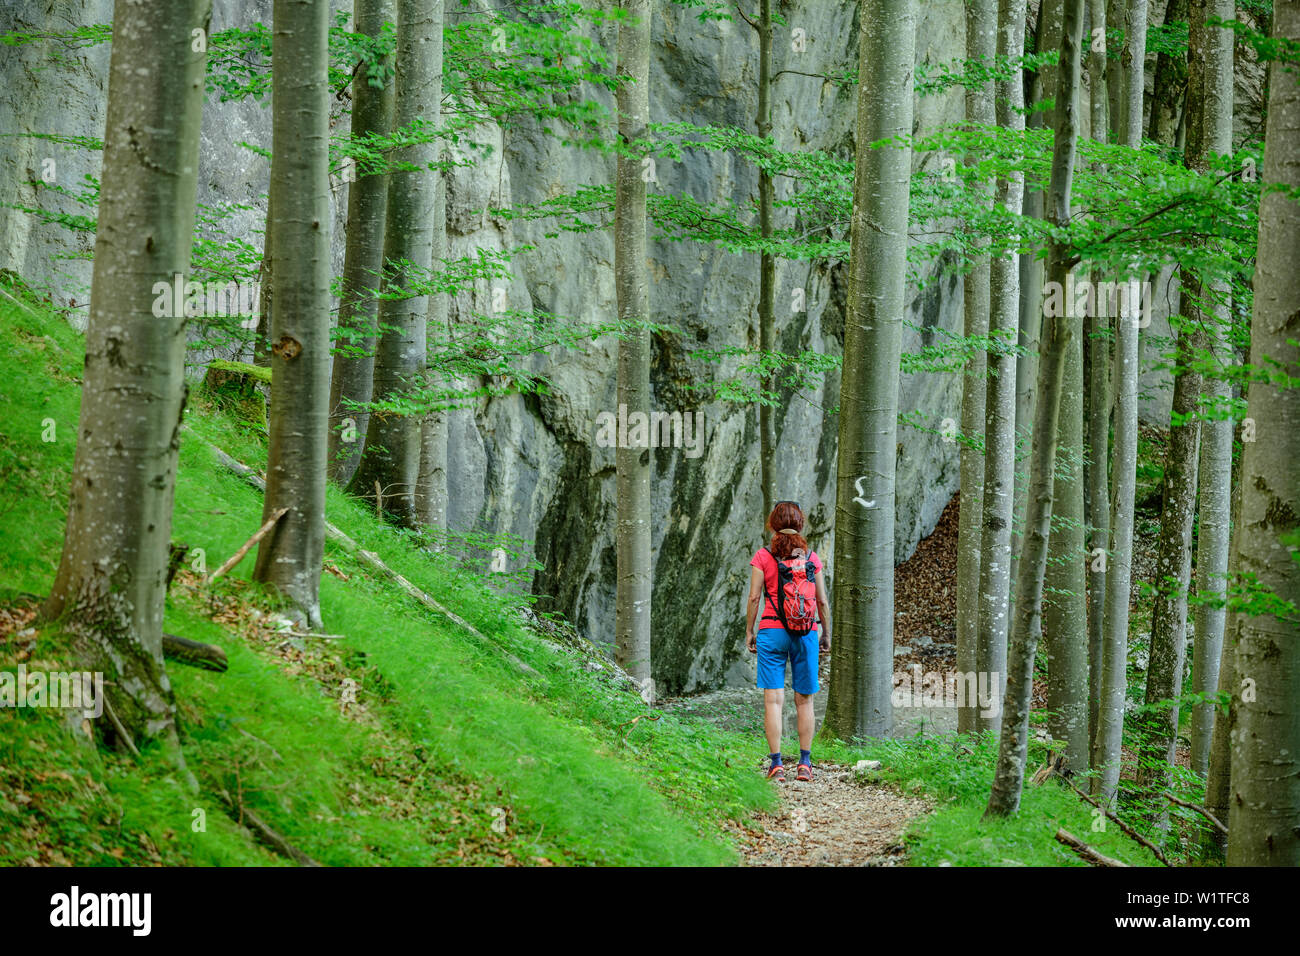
832,821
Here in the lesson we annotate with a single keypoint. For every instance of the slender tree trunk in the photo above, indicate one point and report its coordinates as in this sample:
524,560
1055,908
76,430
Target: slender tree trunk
431,499
1264,807
1119,575
1133,60
1218,775
1109,735
1173,568
1000,401
981,44
291,556
632,464
767,261
111,582
391,458
1064,612
363,257
1114,75
265,292
1169,87
1031,281
861,682
1098,395
1209,111
1008,779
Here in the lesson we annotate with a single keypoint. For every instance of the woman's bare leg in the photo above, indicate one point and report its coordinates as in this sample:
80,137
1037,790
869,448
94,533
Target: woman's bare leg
773,701
803,705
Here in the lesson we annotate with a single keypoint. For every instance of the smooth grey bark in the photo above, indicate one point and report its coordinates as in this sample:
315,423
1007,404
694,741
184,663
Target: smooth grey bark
1031,281
110,586
1057,332
767,261
1119,574
363,258
1219,772
1098,405
1115,75
431,488
981,44
1064,612
290,557
1133,61
1109,735
1000,398
631,283
1264,806
861,681
1209,133
390,462
1173,568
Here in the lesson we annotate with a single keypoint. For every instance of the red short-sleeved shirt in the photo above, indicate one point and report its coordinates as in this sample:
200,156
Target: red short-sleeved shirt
764,561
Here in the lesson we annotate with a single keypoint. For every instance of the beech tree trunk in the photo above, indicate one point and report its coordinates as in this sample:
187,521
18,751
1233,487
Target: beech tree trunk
1057,332
363,257
291,556
1264,807
110,586
981,45
1031,280
1209,133
1173,569
431,490
1098,406
1000,400
767,261
861,681
390,461
1109,735
631,283
1064,611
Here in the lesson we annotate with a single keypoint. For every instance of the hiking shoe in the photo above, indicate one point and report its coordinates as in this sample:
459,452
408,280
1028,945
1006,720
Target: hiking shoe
803,772
776,772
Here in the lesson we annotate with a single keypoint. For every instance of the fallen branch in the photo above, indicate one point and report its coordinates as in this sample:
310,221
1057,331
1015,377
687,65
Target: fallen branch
635,719
265,833
1085,851
121,731
261,532
373,561
1201,810
1121,824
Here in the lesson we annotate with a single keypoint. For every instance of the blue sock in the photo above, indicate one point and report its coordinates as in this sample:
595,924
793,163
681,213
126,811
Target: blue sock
805,757
775,758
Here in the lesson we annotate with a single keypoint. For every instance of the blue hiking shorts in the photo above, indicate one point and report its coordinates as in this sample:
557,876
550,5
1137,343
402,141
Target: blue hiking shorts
776,645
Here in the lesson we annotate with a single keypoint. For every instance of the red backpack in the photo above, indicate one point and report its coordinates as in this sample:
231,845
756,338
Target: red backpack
797,587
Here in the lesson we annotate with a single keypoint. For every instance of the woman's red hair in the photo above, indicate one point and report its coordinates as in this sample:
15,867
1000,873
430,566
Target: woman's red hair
786,515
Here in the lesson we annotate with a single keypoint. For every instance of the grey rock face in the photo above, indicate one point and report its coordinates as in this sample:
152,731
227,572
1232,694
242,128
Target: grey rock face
531,465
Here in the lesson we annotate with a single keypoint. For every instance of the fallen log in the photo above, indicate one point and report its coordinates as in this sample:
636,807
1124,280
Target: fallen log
195,653
1085,851
373,561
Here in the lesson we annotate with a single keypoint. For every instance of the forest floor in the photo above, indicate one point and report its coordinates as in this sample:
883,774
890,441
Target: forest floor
833,820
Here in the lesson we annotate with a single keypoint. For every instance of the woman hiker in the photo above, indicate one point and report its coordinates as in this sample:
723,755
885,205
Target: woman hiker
785,584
